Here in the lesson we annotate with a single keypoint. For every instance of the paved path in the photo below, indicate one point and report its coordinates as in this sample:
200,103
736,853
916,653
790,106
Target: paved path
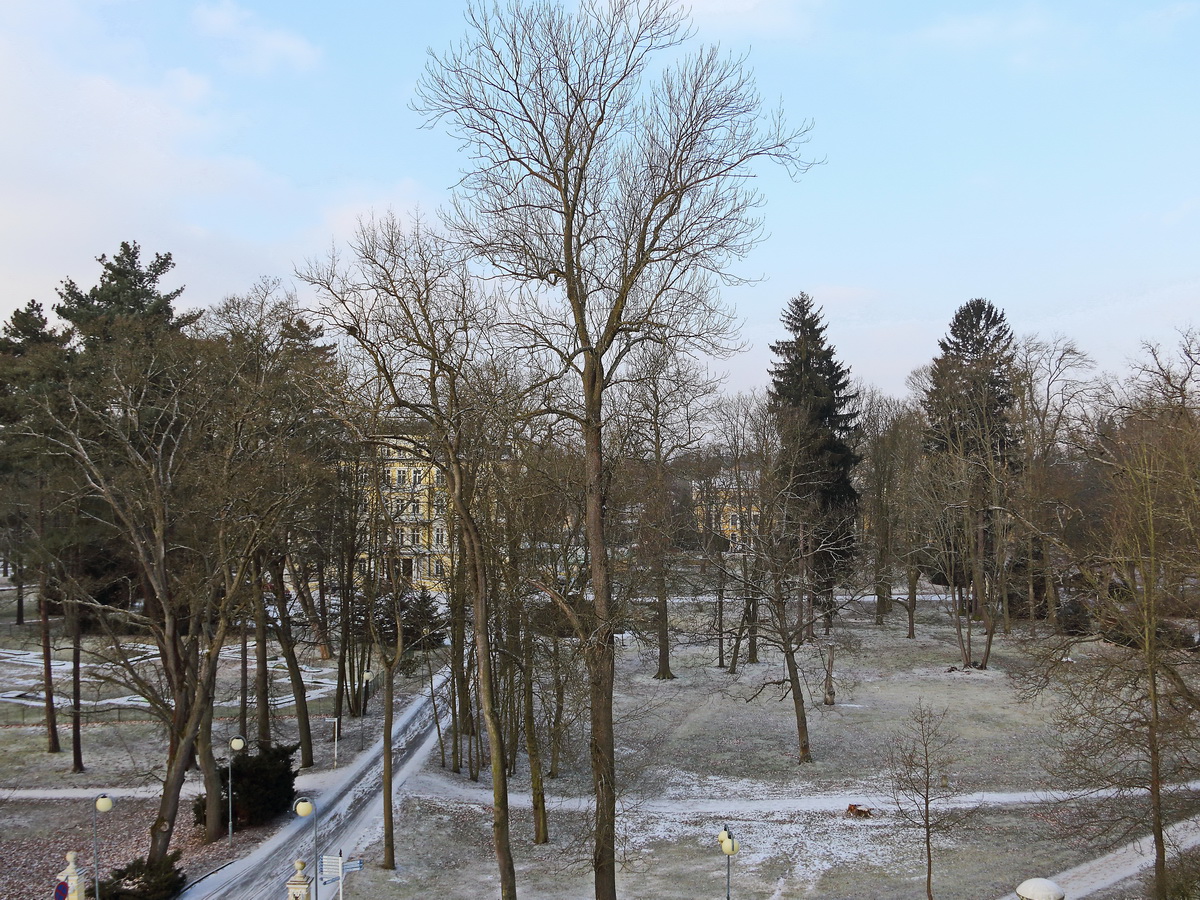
1105,871
344,810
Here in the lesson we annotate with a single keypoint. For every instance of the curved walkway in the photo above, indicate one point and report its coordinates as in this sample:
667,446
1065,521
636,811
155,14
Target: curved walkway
342,810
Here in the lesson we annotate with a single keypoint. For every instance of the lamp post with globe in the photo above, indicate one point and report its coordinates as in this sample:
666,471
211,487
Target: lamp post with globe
729,846
305,807
237,744
102,804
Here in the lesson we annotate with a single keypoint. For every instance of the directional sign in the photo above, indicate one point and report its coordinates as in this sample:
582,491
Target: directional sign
352,865
331,865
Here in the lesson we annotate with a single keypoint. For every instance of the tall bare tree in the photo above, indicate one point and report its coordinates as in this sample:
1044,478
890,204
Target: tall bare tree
614,192
423,327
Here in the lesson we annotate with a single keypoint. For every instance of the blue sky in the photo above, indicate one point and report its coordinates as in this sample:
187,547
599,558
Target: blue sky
1042,155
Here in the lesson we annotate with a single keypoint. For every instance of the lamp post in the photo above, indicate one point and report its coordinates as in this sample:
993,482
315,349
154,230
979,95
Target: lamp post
237,744
102,804
305,807
729,846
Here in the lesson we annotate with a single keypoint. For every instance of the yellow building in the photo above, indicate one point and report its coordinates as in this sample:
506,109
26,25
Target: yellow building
413,504
725,505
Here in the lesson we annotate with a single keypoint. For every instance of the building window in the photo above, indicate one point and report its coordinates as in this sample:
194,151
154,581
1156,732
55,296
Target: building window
418,477
439,536
439,568
440,479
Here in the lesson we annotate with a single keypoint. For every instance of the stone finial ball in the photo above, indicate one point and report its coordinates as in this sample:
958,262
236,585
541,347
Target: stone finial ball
1040,889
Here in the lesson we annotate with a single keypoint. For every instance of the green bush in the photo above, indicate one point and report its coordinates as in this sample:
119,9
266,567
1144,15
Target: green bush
139,881
1183,876
264,784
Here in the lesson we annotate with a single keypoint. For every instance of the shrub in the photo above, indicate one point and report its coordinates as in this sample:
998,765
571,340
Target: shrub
1183,876
263,785
140,881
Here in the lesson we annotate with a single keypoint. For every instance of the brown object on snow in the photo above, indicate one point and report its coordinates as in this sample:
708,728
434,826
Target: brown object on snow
854,811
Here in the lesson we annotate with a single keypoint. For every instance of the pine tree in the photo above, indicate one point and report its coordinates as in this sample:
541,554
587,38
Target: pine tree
969,399
970,394
127,298
816,415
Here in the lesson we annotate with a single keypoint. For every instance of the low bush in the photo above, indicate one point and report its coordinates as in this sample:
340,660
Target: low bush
264,784
140,881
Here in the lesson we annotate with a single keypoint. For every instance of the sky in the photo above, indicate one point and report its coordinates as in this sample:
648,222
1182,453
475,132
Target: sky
1041,155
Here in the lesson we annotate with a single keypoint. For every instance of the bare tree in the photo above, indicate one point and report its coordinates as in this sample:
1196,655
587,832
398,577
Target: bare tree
422,327
1128,688
665,414
174,466
920,755
614,198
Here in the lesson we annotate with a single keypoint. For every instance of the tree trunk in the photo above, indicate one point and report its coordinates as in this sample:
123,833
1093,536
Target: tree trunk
541,829
793,674
735,651
829,692
720,612
262,676
599,651
557,730
52,744
215,818
244,701
76,690
287,647
19,581
389,705
664,633
477,570
914,576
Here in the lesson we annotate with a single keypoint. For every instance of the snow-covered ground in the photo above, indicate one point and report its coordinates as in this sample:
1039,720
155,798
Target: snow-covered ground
695,754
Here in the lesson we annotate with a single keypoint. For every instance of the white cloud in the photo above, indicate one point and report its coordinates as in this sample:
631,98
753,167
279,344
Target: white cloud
251,45
777,18
1027,38
985,29
92,159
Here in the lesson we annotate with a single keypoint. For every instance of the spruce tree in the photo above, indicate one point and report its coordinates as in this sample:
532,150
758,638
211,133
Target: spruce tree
968,400
970,395
815,410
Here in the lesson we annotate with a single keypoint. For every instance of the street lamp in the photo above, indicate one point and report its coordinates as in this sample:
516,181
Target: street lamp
305,807
729,846
102,805
237,744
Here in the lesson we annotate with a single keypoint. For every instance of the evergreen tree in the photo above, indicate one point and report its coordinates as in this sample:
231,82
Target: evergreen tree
968,399
970,394
126,299
815,412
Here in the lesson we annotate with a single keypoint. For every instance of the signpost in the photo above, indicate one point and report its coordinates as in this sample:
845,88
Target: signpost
336,723
335,868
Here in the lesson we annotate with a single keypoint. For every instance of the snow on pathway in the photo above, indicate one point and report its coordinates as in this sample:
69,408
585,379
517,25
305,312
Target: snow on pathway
1113,868
437,784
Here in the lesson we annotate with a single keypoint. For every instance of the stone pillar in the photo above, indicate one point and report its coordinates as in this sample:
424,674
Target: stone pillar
299,886
71,876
